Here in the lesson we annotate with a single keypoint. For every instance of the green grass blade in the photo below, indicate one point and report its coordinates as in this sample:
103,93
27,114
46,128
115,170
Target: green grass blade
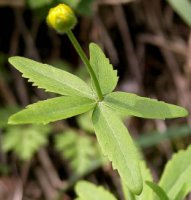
105,74
52,110
51,79
183,9
134,105
146,140
117,144
158,190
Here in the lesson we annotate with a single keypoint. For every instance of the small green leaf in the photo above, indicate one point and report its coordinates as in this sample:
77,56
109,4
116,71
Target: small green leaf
25,141
89,191
177,173
117,144
134,105
51,79
105,74
183,8
158,190
52,110
147,192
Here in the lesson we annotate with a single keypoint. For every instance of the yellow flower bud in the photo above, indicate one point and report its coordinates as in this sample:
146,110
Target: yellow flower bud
61,18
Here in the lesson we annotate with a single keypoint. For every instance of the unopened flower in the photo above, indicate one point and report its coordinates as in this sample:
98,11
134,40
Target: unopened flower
61,18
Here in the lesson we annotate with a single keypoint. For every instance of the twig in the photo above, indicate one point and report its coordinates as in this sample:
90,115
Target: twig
25,171
130,53
6,93
19,82
178,47
31,49
18,192
166,146
48,190
188,62
49,169
106,40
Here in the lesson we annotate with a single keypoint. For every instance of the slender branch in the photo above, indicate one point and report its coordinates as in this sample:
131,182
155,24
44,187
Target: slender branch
86,62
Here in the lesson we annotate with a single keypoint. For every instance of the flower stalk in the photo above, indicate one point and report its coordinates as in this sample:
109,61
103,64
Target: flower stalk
63,20
85,60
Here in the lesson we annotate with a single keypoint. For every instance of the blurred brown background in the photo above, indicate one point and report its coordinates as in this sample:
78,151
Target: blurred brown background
147,42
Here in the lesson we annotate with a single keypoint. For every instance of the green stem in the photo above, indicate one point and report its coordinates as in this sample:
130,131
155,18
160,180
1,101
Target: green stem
86,62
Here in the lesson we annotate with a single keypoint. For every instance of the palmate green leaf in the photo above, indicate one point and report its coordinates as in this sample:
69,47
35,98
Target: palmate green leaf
183,8
105,74
147,193
81,151
117,144
158,190
25,141
51,79
177,174
52,110
134,105
88,191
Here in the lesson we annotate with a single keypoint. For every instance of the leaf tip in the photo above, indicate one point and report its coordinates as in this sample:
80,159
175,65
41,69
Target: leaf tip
92,44
14,119
179,112
182,112
185,112
12,59
11,120
137,189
